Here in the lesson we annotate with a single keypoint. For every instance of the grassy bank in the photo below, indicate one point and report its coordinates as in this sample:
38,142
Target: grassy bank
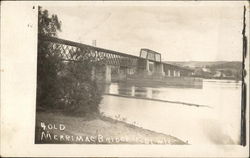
58,128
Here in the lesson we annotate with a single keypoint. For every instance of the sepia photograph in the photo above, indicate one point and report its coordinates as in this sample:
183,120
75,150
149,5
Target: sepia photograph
124,79
139,75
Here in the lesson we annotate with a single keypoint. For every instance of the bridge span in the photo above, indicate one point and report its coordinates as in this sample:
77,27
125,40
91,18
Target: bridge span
115,65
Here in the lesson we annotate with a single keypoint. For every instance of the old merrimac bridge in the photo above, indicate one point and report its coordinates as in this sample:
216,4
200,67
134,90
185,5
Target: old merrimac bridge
117,66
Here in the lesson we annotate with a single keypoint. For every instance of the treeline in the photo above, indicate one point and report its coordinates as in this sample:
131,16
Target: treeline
225,70
61,85
236,65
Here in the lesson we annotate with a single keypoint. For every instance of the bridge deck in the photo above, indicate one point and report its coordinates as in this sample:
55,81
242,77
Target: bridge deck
74,51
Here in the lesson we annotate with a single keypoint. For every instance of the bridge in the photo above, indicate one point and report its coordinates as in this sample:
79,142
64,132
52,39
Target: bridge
115,65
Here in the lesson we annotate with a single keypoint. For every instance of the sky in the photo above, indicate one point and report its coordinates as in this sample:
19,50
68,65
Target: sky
187,32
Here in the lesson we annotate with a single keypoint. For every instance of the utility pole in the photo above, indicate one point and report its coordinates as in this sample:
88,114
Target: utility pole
94,43
243,85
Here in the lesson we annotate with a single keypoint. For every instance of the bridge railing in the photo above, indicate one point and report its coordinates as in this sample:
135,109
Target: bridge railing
73,51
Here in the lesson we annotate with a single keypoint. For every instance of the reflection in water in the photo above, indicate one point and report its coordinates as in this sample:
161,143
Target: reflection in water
130,90
197,125
141,92
155,93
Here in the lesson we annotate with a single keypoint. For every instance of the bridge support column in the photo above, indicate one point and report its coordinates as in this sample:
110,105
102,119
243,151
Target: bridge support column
159,70
169,73
147,66
133,91
178,73
122,73
162,70
107,73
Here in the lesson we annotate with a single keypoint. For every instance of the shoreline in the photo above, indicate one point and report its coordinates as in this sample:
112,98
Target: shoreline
159,100
57,128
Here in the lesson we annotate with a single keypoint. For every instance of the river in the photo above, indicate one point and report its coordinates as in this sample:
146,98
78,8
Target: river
217,124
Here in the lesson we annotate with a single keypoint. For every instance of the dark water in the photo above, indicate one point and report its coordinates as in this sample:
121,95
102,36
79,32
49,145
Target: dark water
216,125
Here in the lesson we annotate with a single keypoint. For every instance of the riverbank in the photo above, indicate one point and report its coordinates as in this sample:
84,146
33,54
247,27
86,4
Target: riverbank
57,128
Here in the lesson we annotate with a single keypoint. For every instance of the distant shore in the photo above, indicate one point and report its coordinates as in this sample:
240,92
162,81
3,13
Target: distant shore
57,128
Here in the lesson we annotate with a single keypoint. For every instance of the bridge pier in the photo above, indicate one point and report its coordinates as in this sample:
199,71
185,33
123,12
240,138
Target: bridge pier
173,73
147,71
147,66
169,72
122,73
107,73
150,67
159,70
176,73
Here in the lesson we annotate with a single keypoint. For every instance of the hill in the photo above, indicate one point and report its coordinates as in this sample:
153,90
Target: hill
213,69
212,64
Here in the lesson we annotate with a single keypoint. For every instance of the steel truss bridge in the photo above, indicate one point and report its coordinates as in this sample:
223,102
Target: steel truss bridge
72,51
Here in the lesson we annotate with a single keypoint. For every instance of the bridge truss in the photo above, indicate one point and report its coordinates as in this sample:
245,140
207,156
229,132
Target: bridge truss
73,51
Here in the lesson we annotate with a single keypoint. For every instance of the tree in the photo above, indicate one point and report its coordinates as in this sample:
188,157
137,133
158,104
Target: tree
80,94
67,86
48,25
47,65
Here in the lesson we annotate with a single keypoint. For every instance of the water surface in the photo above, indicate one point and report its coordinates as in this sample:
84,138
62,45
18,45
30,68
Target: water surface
219,124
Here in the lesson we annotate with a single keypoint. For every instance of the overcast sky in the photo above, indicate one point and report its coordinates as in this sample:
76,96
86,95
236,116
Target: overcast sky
179,33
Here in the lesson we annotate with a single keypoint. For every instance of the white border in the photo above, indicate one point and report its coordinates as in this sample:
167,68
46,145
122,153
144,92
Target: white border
18,89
